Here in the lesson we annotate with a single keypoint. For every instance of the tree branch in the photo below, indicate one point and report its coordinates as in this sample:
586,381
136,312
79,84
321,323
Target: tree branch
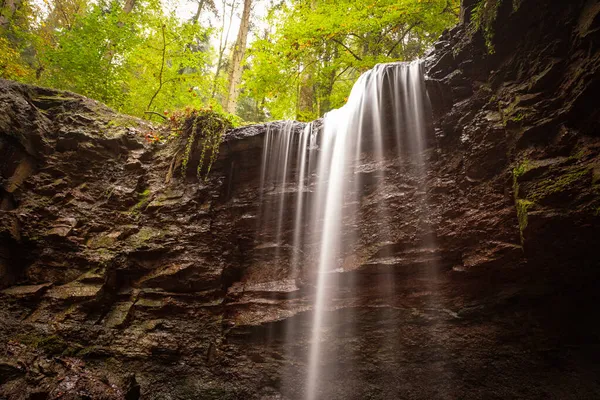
162,68
347,48
341,73
155,113
402,37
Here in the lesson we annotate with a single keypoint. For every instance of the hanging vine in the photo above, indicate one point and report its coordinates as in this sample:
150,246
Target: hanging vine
202,128
483,17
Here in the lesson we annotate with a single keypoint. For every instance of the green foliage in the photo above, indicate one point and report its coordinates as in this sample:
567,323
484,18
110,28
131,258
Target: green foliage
309,61
116,58
143,201
175,79
516,4
51,344
483,18
580,154
149,60
523,207
520,116
204,128
91,57
133,62
563,182
522,168
11,65
16,22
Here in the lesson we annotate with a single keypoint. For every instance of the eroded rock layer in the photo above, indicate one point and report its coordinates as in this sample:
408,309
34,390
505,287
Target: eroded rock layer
122,278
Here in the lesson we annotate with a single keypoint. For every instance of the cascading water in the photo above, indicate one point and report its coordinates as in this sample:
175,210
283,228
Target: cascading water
316,173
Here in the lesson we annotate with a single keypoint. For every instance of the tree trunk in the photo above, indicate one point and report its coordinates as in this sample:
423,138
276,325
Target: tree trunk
305,109
7,12
129,4
306,97
223,39
235,72
162,68
196,16
325,104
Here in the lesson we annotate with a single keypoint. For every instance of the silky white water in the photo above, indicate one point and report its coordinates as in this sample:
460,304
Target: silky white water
315,173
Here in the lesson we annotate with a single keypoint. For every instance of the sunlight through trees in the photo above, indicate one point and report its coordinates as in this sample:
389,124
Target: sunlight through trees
300,61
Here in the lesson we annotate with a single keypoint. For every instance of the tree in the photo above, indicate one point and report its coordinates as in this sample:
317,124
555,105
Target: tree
17,20
136,57
133,61
201,4
11,66
9,10
317,49
170,69
239,51
306,90
91,57
223,40
129,4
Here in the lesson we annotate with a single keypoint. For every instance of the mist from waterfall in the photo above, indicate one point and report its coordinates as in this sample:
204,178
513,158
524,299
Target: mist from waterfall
315,173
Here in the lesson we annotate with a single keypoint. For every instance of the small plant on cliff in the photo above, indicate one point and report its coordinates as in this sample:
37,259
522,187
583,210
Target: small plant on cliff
522,168
200,127
483,17
516,4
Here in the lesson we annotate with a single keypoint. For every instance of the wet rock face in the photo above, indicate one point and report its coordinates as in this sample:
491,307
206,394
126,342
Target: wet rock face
121,278
530,110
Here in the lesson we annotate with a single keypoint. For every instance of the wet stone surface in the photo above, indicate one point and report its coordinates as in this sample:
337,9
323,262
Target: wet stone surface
120,279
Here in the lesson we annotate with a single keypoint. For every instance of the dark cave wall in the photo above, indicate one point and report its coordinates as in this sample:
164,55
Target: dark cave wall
536,92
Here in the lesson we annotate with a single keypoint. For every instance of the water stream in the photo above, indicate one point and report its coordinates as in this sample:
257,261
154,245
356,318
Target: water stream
318,177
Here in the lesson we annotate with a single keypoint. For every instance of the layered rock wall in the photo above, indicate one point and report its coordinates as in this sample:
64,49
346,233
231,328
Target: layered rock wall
121,277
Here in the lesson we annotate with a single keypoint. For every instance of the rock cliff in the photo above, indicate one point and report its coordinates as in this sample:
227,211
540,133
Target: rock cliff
123,279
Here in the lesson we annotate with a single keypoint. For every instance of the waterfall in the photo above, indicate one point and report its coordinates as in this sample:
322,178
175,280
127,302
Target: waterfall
315,173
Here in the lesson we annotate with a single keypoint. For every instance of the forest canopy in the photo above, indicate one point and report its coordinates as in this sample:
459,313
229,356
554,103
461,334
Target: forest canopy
257,59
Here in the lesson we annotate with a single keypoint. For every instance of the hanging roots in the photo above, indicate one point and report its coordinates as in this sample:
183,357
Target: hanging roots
484,16
205,128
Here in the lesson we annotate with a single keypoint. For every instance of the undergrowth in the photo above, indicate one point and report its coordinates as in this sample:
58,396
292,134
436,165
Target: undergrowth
204,128
483,18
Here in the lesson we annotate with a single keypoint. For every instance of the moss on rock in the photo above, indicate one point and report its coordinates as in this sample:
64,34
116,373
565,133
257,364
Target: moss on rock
522,168
523,207
553,186
51,344
143,236
143,201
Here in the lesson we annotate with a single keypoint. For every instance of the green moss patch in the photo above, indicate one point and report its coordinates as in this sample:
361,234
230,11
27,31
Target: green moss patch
121,122
483,18
563,183
523,207
522,168
143,201
51,345
145,235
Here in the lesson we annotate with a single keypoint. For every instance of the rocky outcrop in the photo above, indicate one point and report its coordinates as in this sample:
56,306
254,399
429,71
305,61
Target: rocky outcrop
121,278
528,105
